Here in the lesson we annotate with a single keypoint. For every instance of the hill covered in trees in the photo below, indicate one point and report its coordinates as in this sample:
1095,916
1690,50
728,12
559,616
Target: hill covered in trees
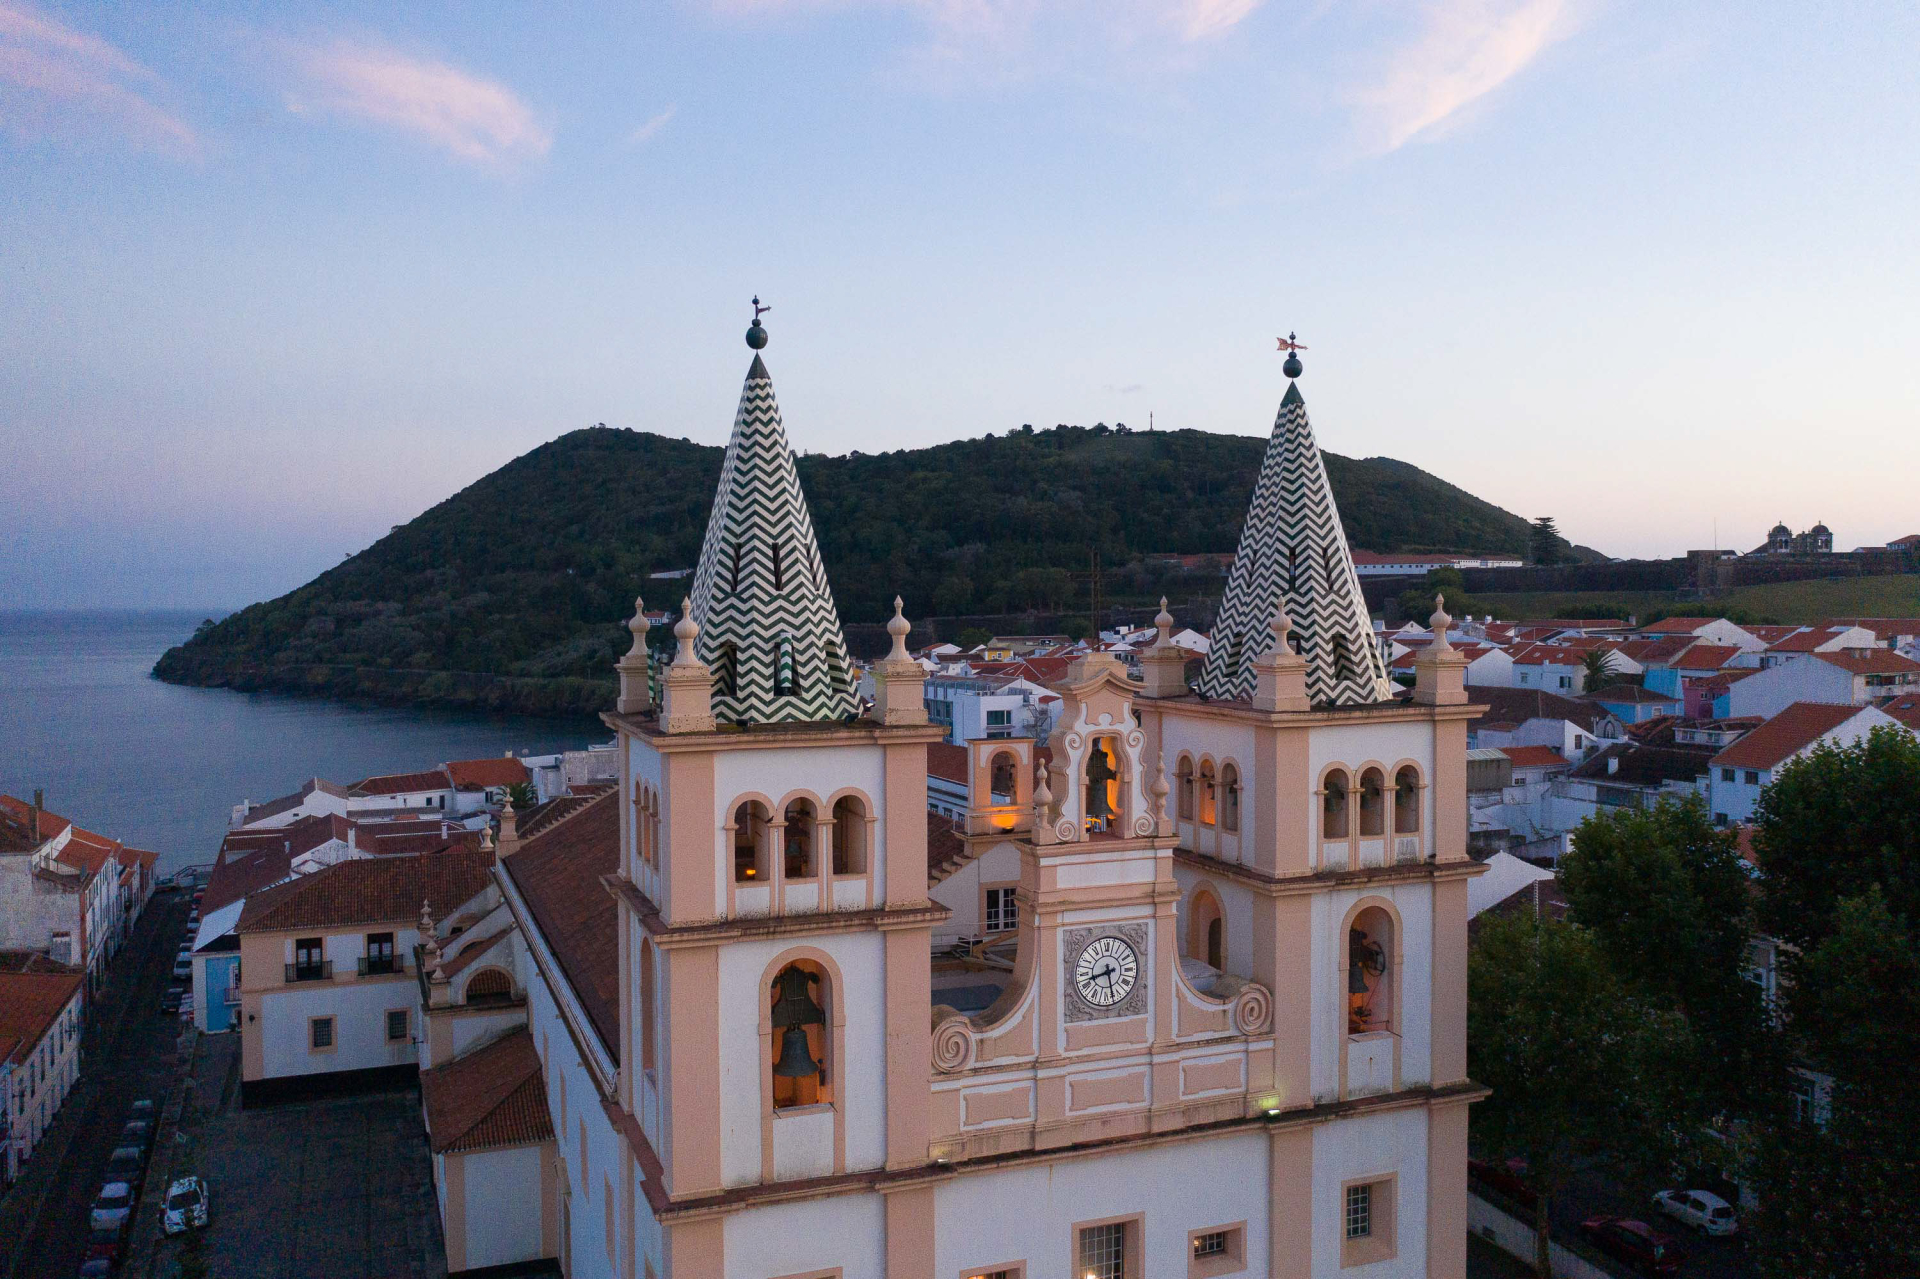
513,592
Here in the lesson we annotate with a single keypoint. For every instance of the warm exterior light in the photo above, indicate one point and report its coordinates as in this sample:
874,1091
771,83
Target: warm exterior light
1003,821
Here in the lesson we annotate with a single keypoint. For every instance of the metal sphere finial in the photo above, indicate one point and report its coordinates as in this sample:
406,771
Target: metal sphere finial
757,336
1293,367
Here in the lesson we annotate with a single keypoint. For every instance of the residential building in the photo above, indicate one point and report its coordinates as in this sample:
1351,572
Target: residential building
1535,764
1487,665
1233,1026
1846,677
1636,774
65,891
40,1024
1560,667
431,789
1634,704
1806,641
1008,648
481,785
316,798
1570,727
327,972
1742,770
1375,564
1709,630
971,707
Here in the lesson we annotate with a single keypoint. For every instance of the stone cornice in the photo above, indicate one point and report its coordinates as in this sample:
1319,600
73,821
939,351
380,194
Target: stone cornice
860,732
1322,881
709,932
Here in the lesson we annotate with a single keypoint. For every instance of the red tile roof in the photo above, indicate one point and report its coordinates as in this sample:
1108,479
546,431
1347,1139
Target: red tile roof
1872,661
1677,625
479,774
1769,633
1906,709
558,873
1706,657
494,1096
948,762
1785,735
1535,757
369,891
1883,628
1807,640
240,871
401,783
29,1004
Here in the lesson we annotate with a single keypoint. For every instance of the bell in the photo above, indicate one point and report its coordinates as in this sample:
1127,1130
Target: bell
796,1062
1099,773
794,1006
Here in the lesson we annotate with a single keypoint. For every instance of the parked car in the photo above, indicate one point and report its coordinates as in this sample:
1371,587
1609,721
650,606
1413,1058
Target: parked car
186,1205
1508,1177
105,1242
137,1132
182,969
170,1002
95,1268
1634,1242
141,1109
113,1205
128,1164
1701,1209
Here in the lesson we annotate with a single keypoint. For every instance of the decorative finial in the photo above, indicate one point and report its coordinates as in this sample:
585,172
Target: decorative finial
1293,367
686,630
1282,626
757,336
1042,793
1163,622
639,626
1160,791
898,627
1440,622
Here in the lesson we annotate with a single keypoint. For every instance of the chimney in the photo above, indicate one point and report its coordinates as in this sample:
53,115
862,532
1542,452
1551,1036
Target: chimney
33,814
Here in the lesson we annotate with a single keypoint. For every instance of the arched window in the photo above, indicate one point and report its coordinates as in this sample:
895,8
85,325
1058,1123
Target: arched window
1373,803
1370,943
750,865
1209,795
1333,807
1184,778
1103,785
1000,775
800,839
797,1048
1206,930
489,986
1406,801
849,836
1229,797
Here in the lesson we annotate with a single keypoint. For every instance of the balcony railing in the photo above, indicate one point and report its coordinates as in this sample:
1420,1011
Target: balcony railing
380,965
321,970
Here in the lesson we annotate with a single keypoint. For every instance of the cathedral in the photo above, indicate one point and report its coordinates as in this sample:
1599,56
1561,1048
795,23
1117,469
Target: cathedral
759,1025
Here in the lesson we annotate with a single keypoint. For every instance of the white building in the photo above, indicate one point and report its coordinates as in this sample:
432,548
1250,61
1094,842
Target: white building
1374,564
969,708
40,1024
1842,677
1741,771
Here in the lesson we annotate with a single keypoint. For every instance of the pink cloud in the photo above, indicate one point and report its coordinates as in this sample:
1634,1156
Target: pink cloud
56,81
468,116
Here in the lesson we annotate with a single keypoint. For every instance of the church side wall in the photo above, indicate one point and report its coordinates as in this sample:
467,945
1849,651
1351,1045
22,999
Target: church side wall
589,1150
847,1231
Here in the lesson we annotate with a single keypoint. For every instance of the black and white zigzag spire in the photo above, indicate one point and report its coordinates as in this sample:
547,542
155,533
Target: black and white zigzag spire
1292,549
768,628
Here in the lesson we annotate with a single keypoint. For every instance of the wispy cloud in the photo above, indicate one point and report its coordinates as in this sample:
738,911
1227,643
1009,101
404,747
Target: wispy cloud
1465,50
56,81
651,127
470,117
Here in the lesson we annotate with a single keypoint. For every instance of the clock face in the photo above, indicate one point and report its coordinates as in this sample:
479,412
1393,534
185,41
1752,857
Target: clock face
1106,971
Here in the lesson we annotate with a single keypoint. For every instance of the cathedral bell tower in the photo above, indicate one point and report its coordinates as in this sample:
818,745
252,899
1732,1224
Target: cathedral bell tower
775,931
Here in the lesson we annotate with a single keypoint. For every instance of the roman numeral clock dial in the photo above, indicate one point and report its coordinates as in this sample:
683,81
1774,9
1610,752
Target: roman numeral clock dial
1106,971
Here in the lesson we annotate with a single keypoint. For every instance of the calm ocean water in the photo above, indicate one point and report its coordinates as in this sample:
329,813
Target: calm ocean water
159,766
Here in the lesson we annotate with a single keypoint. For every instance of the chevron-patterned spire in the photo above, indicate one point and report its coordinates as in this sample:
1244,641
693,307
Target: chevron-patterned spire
768,628
1293,552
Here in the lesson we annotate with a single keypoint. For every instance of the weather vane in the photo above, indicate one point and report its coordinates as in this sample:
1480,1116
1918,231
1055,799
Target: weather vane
1293,367
757,336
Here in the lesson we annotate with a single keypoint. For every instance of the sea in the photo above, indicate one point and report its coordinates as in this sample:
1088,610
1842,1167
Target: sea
160,767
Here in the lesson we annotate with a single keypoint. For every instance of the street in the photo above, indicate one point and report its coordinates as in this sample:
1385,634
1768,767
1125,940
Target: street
128,1051
1706,1257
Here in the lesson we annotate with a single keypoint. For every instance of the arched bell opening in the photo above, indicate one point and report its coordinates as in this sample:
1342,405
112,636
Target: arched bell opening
800,839
849,836
752,836
800,1006
1102,786
1370,955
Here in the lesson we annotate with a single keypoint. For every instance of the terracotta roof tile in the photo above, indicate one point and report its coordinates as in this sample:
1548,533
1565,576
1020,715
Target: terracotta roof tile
558,873
479,774
14,837
1706,657
1785,735
1883,628
493,1096
1906,709
947,761
1677,625
369,890
401,783
1535,757
29,1003
1873,661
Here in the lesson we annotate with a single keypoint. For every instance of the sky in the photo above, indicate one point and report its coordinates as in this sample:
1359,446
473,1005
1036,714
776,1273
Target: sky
276,278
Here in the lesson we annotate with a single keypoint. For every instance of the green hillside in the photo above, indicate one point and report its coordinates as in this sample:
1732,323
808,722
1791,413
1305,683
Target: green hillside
512,592
1894,595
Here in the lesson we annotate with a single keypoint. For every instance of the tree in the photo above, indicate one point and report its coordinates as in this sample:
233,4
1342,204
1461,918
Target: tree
1597,667
954,595
1582,1071
1416,602
1668,899
522,796
1547,545
973,637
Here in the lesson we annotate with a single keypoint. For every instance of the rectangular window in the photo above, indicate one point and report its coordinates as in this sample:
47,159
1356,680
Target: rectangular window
320,1033
1103,1251
997,719
397,1026
1002,914
1367,1217
1217,1250
1753,777
1566,681
309,961
379,957
1726,774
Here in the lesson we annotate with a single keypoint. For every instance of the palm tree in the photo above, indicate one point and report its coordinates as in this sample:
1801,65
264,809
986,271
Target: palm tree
1598,668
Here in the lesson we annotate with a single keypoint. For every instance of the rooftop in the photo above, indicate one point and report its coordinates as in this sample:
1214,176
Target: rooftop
1535,757
1785,735
1870,661
29,1003
558,873
369,891
493,1096
480,774
401,783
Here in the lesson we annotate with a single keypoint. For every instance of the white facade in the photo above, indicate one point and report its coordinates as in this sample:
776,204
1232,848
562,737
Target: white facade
1768,692
1733,792
36,1079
